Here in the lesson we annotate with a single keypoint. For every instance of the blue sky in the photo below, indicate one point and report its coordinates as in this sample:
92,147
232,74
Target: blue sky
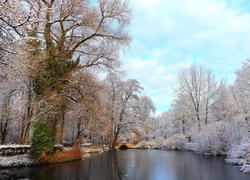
169,35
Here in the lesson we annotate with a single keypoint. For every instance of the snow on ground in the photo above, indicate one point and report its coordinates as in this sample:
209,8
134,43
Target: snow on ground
240,155
13,146
245,168
25,160
16,156
175,142
153,144
15,161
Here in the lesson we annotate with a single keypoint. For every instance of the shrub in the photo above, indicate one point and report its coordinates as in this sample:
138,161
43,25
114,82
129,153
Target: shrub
212,140
153,144
239,154
175,142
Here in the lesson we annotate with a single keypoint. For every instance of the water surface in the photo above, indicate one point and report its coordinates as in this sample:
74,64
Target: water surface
134,165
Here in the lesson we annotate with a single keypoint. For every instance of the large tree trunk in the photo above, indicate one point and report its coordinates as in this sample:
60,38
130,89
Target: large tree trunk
78,135
61,132
4,133
27,133
5,117
26,124
115,140
111,137
27,115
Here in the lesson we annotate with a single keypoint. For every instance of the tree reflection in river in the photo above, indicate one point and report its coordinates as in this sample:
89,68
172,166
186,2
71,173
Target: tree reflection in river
133,165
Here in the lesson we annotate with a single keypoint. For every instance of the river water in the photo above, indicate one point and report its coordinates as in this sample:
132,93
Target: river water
133,165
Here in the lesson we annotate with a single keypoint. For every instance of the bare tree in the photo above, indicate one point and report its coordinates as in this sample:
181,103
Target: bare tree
10,90
84,106
143,111
165,125
199,84
120,105
78,33
13,16
182,114
223,109
241,91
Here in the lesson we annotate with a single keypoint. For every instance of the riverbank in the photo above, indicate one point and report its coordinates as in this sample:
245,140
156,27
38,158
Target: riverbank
238,155
13,156
27,160
18,155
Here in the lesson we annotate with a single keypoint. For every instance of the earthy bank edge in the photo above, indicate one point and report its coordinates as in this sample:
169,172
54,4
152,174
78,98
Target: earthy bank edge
239,155
66,154
27,160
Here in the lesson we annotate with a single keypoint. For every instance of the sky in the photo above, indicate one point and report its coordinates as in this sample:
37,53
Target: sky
169,35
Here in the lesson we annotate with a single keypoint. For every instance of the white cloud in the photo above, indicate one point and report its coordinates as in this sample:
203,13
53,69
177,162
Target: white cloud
160,70
141,64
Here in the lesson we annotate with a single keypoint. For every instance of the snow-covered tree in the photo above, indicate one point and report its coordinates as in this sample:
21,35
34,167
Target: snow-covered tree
120,105
241,91
126,111
199,84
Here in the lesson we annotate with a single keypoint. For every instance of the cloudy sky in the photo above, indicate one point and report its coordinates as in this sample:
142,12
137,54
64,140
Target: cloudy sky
169,35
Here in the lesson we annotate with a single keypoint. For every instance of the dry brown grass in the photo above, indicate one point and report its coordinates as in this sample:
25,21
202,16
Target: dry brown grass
63,156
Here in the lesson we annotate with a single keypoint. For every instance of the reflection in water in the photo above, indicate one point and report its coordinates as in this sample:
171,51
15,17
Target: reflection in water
133,165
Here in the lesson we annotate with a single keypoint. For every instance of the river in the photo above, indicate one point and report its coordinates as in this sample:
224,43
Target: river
133,165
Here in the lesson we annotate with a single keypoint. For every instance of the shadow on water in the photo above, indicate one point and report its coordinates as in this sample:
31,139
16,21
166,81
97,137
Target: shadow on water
133,165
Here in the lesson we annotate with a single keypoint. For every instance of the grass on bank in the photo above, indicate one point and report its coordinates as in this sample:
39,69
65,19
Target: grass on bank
62,156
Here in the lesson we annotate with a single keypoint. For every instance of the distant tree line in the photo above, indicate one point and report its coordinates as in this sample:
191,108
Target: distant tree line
212,114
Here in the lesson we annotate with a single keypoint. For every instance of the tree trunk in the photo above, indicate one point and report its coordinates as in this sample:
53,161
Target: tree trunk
111,135
27,115
4,133
26,133
78,135
198,120
115,140
61,133
183,125
5,117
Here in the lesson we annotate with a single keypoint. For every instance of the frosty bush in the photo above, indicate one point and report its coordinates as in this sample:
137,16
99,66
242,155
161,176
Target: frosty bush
237,133
211,140
239,154
153,144
175,142
218,137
